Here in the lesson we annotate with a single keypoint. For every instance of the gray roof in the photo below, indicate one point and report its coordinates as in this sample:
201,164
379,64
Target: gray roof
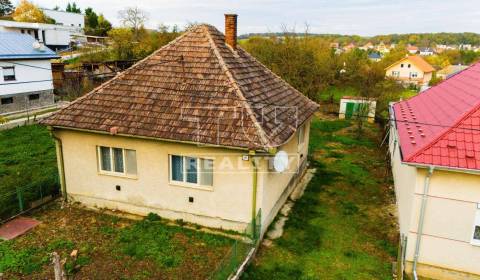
20,46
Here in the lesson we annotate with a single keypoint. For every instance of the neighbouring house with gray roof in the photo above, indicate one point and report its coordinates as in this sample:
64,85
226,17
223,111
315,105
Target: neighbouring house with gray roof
25,73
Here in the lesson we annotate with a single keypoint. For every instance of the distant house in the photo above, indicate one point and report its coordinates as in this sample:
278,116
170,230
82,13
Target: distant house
25,73
435,158
411,70
382,48
349,47
354,106
189,133
426,51
412,49
450,70
367,46
334,45
376,57
465,47
55,36
66,18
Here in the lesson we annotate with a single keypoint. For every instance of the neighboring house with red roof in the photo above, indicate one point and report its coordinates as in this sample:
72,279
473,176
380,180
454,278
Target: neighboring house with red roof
188,133
435,157
411,70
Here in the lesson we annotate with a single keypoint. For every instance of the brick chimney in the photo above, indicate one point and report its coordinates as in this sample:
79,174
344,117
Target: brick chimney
231,30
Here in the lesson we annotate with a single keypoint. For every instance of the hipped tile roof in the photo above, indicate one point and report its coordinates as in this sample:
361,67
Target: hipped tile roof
441,126
195,89
418,61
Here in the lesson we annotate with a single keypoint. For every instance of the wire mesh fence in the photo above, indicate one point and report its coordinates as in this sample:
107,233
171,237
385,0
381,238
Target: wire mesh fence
22,199
239,250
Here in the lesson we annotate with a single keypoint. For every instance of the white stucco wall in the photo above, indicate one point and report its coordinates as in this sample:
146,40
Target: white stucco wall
274,192
449,217
228,204
25,75
449,221
65,18
404,178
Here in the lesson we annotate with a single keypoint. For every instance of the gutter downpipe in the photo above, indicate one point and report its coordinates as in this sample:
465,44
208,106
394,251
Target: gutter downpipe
61,168
254,196
426,188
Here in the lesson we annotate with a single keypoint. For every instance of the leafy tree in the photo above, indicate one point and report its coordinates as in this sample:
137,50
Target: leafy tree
104,26
91,18
72,8
28,12
6,7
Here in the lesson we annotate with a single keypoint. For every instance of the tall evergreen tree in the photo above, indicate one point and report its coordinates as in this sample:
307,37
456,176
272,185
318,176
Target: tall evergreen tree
6,7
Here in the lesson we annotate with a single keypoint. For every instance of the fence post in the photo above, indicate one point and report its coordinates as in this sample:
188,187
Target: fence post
20,198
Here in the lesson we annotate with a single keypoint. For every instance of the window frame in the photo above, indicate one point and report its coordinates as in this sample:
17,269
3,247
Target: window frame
396,74
476,223
9,79
112,172
35,95
301,135
6,98
184,182
413,75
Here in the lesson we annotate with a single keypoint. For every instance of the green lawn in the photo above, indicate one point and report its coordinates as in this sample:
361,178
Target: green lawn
110,247
27,160
341,227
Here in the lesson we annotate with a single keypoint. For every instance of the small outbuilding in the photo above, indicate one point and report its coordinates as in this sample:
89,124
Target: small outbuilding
353,106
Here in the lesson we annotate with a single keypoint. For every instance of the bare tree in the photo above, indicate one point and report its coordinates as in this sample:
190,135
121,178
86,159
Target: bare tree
134,18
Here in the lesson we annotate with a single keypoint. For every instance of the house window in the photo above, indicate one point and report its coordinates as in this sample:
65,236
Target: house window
401,65
9,73
396,74
409,65
117,161
476,227
7,100
301,135
413,74
34,96
191,170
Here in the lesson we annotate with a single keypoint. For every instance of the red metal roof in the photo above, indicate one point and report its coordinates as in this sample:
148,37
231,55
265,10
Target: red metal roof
441,126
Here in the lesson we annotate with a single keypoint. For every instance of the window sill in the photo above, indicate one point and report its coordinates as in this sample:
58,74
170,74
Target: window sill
475,243
191,186
119,175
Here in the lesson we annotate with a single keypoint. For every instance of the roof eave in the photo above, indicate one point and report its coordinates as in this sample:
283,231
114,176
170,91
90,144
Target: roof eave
444,168
265,149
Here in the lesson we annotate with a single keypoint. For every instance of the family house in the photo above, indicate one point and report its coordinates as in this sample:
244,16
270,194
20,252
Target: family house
450,70
411,70
435,157
188,133
25,73
426,51
55,36
412,49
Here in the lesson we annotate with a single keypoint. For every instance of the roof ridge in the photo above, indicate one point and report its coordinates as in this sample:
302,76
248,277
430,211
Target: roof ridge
447,130
235,85
121,74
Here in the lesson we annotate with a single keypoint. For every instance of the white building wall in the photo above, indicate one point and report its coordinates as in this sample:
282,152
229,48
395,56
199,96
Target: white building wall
446,251
66,18
27,77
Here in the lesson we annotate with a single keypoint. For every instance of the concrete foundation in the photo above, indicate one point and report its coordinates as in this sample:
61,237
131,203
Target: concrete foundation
436,272
26,101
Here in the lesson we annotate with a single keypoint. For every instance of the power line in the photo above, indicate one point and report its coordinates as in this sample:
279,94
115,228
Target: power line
180,59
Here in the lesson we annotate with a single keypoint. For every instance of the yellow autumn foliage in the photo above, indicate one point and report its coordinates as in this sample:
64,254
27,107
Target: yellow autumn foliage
29,12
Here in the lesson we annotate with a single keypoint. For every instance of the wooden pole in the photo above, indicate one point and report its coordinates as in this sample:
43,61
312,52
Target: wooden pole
57,266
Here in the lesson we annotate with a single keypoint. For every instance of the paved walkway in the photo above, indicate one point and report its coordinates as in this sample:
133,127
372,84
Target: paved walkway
34,116
17,227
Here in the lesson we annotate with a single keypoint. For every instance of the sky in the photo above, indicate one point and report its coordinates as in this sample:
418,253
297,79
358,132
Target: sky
361,17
